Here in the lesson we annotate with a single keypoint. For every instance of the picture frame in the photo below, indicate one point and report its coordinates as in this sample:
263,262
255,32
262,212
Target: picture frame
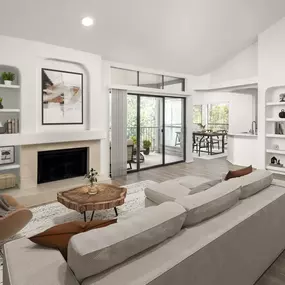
62,97
7,155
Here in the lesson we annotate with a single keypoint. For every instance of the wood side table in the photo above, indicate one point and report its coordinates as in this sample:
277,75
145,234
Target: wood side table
78,199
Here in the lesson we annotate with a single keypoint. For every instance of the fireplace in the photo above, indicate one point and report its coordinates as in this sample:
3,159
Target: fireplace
61,164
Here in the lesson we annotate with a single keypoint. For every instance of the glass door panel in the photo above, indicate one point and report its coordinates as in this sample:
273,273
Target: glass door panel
151,131
132,131
174,129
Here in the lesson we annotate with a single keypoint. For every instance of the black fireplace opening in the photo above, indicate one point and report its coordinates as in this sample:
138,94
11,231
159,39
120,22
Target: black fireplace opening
61,164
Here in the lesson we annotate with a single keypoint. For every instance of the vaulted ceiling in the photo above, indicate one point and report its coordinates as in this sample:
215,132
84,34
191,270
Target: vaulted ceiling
187,36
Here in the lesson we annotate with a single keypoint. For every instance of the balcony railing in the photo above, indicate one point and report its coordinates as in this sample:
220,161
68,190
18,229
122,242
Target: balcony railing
154,135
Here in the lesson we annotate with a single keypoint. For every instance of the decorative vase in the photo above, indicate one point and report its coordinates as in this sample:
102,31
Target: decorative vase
146,151
282,114
8,82
92,189
1,106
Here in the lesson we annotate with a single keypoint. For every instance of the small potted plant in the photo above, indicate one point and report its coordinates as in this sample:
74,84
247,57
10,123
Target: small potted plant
92,177
146,146
1,106
8,77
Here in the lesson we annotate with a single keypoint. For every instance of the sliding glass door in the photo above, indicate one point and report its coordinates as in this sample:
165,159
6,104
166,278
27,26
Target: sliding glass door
155,130
151,131
174,129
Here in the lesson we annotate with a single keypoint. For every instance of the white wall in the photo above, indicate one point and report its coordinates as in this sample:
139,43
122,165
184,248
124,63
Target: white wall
29,57
271,69
242,66
241,112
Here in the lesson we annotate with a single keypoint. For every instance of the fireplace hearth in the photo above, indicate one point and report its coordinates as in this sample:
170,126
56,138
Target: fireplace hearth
61,164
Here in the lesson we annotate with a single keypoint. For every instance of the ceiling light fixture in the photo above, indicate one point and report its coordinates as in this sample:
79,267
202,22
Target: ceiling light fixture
87,22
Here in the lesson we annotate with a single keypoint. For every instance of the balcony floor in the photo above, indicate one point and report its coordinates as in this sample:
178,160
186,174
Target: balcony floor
154,159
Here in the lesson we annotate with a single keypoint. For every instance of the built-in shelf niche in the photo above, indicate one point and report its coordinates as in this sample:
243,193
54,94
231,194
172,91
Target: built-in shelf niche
273,107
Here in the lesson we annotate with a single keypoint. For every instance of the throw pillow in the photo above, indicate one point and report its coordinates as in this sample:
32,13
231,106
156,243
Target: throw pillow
238,173
204,186
58,236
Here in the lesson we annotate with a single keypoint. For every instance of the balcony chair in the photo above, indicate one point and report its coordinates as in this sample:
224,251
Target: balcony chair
130,153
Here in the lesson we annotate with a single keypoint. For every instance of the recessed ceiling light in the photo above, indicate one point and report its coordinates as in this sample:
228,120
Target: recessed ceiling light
87,22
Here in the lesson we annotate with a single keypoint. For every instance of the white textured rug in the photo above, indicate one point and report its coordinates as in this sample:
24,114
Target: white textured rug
52,214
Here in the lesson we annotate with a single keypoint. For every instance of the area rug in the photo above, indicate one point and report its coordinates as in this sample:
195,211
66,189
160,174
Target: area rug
55,213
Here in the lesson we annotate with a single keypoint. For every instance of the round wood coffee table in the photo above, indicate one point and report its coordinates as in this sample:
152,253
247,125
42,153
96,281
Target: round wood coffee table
78,199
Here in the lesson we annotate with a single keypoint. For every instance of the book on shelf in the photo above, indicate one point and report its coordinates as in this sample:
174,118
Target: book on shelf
12,126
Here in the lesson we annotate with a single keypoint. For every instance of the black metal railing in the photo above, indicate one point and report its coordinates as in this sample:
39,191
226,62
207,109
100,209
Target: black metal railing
154,135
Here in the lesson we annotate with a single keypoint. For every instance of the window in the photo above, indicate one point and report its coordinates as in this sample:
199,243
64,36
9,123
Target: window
197,114
218,116
173,84
124,76
148,80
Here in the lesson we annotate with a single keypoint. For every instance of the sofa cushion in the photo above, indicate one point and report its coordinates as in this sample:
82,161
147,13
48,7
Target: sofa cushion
166,191
191,181
207,204
254,182
58,236
238,173
26,263
97,250
204,186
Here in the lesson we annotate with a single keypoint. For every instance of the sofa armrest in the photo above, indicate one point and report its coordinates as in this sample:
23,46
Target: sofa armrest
26,263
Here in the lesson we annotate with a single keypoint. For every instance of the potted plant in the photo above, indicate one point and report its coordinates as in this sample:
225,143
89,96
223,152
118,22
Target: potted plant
134,139
8,77
92,177
146,146
1,106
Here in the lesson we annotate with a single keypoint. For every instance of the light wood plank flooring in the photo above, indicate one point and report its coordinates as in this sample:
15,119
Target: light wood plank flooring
275,275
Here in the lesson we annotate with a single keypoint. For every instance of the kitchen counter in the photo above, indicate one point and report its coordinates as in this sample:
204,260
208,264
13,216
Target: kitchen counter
242,135
242,149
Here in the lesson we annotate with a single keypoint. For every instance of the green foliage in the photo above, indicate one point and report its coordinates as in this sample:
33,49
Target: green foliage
91,176
1,99
134,139
8,76
146,144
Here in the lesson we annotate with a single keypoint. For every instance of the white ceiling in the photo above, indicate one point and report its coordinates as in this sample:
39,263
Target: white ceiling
187,36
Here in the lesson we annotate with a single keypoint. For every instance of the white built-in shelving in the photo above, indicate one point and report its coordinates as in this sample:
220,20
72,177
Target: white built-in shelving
275,104
10,86
276,151
11,100
9,111
276,169
275,136
273,107
9,167
275,120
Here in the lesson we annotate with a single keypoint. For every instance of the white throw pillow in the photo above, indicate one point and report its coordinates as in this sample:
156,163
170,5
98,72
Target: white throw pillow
207,204
254,182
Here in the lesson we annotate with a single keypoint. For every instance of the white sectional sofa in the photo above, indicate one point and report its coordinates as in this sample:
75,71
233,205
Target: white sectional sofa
209,238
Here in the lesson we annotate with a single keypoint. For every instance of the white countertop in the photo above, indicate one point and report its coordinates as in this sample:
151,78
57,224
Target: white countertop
242,135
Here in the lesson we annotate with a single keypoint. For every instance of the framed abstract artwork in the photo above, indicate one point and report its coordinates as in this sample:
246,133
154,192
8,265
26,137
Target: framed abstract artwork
7,155
62,97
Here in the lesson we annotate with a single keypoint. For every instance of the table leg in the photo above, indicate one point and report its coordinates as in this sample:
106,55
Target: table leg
84,214
223,144
116,211
92,216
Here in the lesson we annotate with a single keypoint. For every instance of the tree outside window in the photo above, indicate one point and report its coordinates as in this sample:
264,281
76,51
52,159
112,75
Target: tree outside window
218,116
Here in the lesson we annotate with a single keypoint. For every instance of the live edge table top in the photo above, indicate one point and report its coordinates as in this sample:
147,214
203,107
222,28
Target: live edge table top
78,199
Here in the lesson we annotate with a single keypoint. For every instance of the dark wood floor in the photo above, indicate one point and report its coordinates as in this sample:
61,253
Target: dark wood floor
275,275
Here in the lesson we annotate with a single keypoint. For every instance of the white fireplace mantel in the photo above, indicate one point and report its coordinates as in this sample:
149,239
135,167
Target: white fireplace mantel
51,137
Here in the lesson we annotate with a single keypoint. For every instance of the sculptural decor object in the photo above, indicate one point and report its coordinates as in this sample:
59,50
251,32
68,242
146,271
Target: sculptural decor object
282,114
273,160
282,97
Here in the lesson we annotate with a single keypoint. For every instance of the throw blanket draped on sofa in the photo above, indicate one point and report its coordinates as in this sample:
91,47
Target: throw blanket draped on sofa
5,208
